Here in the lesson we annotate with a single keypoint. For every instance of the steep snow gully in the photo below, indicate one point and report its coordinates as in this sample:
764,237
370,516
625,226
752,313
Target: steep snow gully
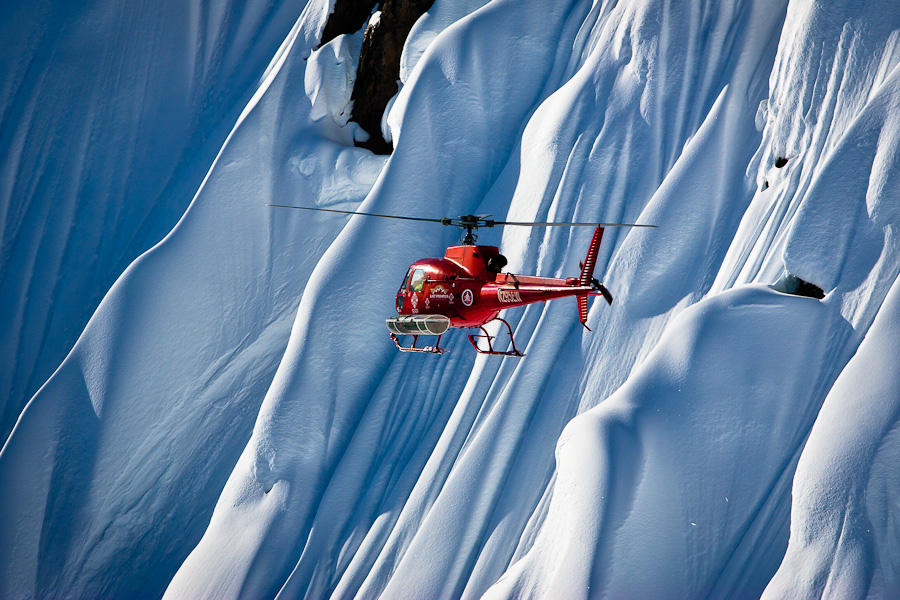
233,421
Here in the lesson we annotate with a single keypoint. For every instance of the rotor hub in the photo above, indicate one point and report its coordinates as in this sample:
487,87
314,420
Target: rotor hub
469,224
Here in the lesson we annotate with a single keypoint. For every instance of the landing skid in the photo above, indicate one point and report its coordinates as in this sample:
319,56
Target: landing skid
436,349
512,343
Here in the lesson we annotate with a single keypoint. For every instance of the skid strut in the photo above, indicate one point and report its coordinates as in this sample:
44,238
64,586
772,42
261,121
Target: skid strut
513,351
436,349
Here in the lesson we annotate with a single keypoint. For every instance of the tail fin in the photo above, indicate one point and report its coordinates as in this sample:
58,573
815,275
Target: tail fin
587,274
590,261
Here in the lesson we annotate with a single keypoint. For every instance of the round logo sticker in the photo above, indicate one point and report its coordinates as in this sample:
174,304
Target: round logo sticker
467,297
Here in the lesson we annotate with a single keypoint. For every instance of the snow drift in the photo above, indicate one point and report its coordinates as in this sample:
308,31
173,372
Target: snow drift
234,422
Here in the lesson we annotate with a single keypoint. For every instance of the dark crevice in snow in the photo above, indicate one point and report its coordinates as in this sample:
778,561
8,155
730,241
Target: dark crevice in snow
791,284
379,67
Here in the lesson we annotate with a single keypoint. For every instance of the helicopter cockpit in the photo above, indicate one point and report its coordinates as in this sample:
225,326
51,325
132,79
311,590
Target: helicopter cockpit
421,287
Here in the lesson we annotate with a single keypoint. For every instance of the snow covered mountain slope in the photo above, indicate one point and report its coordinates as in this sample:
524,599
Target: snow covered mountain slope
110,114
844,531
658,525
209,438
132,454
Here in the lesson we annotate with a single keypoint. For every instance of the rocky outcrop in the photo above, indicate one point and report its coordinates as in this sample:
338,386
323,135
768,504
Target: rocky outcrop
379,66
348,16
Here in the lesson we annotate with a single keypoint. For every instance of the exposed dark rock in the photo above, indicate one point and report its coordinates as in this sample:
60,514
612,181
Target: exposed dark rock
791,284
348,17
379,67
780,162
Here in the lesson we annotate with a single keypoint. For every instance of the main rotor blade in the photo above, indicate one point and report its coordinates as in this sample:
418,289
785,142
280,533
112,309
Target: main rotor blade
529,224
459,223
350,212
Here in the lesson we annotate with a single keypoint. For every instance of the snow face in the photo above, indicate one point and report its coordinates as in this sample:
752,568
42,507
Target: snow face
110,115
844,533
653,480
438,18
140,450
829,118
234,421
329,77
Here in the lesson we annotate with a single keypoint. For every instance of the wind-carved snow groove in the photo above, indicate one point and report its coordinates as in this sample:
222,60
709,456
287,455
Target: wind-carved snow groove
387,475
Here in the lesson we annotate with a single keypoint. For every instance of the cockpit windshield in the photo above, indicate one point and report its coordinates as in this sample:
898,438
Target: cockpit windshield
417,280
405,280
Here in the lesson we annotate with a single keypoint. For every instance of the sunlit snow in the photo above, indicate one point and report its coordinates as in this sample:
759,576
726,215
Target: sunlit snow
234,422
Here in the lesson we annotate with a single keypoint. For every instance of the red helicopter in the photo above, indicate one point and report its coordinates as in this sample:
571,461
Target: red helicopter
467,287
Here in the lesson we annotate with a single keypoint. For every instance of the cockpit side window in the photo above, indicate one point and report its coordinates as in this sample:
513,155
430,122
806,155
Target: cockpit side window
405,280
417,280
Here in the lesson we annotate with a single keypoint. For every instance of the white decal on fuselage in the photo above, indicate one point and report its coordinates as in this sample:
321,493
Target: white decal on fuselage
439,292
508,296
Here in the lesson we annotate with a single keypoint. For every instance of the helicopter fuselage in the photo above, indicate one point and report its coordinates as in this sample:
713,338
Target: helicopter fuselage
468,287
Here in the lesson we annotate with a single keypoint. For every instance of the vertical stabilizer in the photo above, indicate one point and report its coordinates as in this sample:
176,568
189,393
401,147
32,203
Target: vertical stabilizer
590,261
587,274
